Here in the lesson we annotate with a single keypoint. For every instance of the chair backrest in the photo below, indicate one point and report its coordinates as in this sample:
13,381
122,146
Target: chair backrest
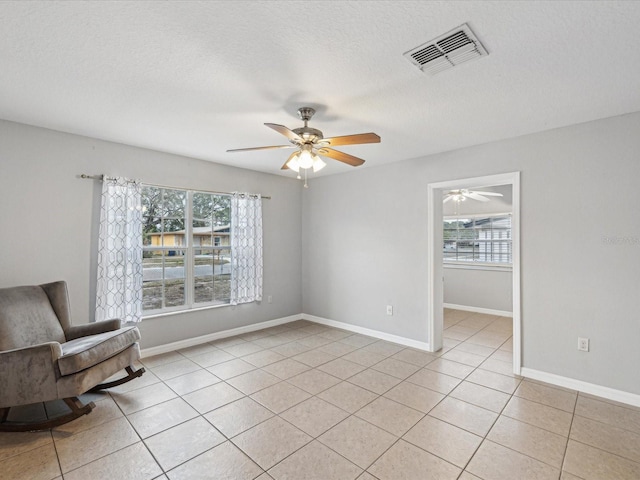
27,317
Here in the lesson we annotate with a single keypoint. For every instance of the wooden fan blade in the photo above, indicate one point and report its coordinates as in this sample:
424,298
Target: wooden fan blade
290,134
261,148
341,156
285,167
350,139
475,196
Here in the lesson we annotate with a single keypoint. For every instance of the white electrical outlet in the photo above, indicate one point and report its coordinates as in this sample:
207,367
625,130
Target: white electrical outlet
583,344
389,309
269,299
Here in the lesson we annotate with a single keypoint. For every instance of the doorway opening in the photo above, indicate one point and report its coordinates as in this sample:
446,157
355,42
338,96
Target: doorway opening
435,294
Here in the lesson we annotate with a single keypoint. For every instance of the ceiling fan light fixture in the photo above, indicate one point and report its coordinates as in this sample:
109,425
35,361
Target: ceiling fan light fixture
318,164
305,159
294,163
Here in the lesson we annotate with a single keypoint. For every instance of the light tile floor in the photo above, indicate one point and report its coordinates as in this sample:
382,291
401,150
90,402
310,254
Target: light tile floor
303,401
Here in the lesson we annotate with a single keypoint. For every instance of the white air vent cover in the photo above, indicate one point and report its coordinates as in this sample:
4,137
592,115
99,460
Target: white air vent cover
453,48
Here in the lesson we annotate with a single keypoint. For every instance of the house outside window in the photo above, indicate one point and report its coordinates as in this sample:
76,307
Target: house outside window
186,249
478,240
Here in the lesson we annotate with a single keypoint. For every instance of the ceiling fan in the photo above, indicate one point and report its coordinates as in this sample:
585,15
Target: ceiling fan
462,194
310,144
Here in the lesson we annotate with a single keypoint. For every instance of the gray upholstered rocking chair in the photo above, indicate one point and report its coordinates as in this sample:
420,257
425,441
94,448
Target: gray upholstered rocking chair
43,357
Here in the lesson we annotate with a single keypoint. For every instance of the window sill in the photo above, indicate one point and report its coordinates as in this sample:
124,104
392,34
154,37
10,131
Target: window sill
184,310
480,266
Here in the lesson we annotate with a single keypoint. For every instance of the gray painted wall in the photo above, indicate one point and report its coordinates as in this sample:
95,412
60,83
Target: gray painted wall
474,287
365,239
49,222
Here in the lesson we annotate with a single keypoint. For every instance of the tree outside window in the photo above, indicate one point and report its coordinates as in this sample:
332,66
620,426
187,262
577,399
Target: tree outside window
183,266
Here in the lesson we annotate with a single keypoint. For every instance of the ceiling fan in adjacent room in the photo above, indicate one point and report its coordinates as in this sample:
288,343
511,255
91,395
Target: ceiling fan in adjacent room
461,195
310,144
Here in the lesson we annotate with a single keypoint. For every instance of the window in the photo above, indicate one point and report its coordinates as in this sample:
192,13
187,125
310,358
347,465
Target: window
484,239
186,249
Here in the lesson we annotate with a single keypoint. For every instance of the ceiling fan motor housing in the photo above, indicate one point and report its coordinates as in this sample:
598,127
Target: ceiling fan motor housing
310,135
305,113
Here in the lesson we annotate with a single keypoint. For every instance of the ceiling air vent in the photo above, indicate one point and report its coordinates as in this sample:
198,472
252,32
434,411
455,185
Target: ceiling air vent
453,48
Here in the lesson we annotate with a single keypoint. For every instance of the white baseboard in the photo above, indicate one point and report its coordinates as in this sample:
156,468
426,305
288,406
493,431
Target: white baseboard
190,342
488,311
566,382
586,387
367,331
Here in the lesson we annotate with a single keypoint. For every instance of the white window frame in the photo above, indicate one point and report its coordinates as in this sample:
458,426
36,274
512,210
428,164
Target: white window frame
189,259
475,265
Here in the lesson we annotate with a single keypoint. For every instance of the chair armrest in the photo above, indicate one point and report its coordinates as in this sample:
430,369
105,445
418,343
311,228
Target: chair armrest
95,328
29,374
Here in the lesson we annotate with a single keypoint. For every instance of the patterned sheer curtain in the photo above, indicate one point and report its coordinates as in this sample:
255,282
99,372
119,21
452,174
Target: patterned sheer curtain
119,288
246,248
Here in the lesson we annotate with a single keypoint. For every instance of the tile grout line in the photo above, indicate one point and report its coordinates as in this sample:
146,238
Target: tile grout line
349,413
484,437
500,414
230,439
55,449
386,356
163,381
283,380
315,439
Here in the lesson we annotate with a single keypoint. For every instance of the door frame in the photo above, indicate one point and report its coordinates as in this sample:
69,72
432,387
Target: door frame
435,294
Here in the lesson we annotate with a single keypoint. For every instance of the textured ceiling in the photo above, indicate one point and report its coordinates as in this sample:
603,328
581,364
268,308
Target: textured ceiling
197,78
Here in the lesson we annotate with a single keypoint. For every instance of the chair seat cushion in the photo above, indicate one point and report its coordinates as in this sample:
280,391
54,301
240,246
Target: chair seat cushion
85,352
